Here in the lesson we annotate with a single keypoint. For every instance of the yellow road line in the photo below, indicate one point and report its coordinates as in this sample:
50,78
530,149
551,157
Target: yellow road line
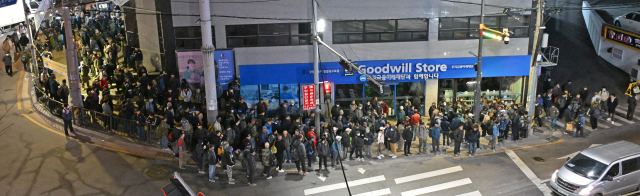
519,148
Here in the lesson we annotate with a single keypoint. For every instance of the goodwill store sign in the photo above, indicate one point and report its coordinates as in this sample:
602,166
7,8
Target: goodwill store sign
411,70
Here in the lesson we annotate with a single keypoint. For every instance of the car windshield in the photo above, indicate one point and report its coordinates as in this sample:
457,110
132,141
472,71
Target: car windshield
586,166
34,5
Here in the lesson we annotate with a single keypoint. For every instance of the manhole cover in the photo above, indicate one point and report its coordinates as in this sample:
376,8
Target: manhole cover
156,172
539,159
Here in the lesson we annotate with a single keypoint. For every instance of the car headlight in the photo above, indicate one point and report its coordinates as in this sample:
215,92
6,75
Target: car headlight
586,191
555,174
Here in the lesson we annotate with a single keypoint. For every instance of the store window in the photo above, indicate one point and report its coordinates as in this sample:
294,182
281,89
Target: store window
270,93
250,94
346,93
190,37
372,31
508,89
279,34
411,93
454,28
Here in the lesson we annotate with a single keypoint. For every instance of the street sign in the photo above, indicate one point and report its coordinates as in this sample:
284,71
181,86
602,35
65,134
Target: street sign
309,98
5,3
363,78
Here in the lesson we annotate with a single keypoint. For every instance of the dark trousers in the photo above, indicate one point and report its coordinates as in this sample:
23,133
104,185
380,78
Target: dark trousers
407,146
310,159
252,176
300,164
280,160
630,111
267,171
435,145
594,122
446,140
8,69
358,152
322,159
67,124
580,130
456,148
516,135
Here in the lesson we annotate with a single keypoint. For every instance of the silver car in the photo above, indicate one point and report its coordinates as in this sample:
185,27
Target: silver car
611,169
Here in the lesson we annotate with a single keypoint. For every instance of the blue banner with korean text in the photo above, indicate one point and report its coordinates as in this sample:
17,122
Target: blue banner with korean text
226,67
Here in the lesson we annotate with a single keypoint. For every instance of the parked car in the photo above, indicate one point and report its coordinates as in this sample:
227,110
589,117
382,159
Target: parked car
610,169
630,21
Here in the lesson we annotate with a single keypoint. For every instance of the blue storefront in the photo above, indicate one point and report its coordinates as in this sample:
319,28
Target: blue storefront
280,82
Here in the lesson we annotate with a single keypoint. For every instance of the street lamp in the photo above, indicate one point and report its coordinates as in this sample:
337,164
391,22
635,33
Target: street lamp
320,25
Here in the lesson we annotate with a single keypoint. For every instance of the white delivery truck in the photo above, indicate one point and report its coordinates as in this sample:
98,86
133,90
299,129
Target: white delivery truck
11,16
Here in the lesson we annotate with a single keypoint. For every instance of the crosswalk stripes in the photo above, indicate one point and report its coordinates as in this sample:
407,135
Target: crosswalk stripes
474,193
438,187
380,192
343,185
527,172
624,113
428,174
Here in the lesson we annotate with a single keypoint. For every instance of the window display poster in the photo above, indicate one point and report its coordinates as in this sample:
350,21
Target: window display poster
270,93
289,93
226,67
250,94
190,67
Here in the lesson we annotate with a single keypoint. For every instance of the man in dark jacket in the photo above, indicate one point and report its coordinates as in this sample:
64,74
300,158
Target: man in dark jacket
299,155
201,134
458,136
323,153
280,148
474,137
211,159
67,115
7,64
346,143
632,102
140,120
197,156
584,93
407,135
612,103
445,127
251,166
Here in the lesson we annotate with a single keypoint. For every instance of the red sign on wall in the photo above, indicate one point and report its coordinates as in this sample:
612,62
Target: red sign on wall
309,97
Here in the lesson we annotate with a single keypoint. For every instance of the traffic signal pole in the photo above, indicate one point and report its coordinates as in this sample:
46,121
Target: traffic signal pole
477,104
533,72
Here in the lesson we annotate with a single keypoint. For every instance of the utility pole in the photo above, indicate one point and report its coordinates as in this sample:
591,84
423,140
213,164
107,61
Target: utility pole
533,71
477,103
30,47
316,71
72,58
208,61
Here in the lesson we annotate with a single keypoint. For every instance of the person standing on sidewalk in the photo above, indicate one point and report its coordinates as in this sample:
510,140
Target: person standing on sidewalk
580,125
554,116
7,64
299,154
197,156
445,128
421,133
604,96
212,160
458,137
346,143
140,120
67,115
251,166
180,149
393,137
473,138
568,117
407,136
323,153
381,145
494,137
612,103
280,152
267,161
594,114
435,137
227,160
632,102
336,148
368,141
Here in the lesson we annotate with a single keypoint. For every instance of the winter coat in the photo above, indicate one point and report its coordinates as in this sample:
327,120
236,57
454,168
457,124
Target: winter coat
6,60
346,141
421,133
336,148
474,136
266,157
458,135
323,149
435,133
210,158
631,103
612,104
496,131
407,135
369,138
554,113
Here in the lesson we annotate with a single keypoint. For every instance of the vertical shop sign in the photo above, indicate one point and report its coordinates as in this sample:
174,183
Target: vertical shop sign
308,93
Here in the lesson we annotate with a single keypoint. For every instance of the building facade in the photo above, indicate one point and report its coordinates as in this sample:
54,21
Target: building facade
421,48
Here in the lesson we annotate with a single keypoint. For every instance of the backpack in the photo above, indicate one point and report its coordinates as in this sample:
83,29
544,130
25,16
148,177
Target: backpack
294,152
523,122
23,57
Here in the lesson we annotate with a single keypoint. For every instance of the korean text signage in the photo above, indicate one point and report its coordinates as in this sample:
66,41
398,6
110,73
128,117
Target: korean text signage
309,98
55,66
226,69
4,3
621,37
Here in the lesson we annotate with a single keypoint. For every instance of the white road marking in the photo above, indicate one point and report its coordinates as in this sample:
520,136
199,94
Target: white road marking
428,174
575,153
380,192
625,113
343,185
474,193
438,187
361,170
536,181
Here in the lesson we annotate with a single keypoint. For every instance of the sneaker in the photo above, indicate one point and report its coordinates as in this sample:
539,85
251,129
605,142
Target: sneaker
201,172
254,184
216,177
612,122
393,156
268,178
231,182
265,175
494,150
212,180
277,168
379,157
182,168
325,169
280,171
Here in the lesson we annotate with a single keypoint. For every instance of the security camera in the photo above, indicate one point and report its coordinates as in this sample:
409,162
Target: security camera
506,40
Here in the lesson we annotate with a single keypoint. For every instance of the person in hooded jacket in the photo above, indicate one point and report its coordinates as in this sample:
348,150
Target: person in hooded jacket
211,159
323,153
421,133
346,142
299,154
445,128
473,138
368,141
197,156
407,136
435,138
251,166
336,148
458,137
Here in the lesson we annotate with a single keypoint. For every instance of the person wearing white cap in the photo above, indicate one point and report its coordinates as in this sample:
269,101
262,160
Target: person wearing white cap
336,148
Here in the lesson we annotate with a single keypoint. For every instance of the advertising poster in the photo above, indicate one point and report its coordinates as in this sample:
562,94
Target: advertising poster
226,68
250,94
309,97
190,67
289,93
59,68
271,94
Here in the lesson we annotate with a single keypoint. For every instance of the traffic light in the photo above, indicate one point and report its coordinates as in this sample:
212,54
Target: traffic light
493,35
380,88
327,88
346,66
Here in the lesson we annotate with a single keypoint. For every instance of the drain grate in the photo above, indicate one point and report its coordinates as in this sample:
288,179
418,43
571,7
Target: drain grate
156,172
539,159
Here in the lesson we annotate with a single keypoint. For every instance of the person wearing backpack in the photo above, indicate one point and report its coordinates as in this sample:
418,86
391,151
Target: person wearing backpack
268,160
63,92
211,159
524,124
299,154
594,114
